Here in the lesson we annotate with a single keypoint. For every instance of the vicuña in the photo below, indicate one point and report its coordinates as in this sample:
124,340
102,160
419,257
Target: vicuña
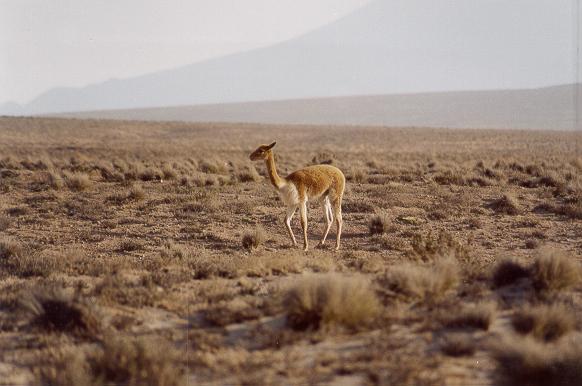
312,183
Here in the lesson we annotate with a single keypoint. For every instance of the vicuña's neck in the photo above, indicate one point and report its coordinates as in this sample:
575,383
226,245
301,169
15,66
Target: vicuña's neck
273,176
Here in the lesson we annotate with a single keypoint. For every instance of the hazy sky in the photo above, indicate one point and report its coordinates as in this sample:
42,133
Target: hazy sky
44,44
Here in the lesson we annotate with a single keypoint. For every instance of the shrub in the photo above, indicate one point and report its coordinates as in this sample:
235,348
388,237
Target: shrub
328,299
506,204
379,224
507,272
249,174
553,270
427,283
544,322
78,181
139,361
458,345
136,193
5,222
130,245
252,240
10,249
429,247
51,309
477,316
523,361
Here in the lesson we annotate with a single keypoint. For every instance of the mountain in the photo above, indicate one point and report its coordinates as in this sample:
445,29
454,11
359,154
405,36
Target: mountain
545,108
385,47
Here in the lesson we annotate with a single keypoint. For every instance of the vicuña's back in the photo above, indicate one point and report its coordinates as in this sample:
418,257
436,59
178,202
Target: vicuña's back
317,182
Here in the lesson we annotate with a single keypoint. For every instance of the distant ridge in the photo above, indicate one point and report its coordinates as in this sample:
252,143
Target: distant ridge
549,108
382,48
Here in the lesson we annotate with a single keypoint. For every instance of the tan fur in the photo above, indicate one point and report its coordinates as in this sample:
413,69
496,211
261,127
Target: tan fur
312,183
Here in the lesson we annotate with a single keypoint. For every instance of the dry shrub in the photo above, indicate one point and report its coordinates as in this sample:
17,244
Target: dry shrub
212,167
237,310
379,224
507,204
136,193
49,179
478,316
358,176
168,172
425,283
507,272
78,182
130,245
249,174
119,361
172,251
5,222
429,247
52,309
323,158
523,361
458,345
544,322
253,239
321,300
18,211
139,361
10,249
554,270
114,289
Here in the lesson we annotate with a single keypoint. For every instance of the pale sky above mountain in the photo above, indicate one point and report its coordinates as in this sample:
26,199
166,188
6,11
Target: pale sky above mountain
489,43
45,44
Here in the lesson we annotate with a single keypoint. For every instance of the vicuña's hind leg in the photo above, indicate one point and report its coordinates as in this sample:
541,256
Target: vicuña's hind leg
290,212
328,216
303,212
337,209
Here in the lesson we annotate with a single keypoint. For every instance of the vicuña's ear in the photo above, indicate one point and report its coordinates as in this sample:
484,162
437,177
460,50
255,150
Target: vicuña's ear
271,145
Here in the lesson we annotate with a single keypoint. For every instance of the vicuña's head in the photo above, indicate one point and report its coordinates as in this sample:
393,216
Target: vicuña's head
262,152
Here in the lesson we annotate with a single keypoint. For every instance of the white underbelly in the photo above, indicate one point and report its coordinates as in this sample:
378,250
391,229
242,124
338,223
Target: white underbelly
289,195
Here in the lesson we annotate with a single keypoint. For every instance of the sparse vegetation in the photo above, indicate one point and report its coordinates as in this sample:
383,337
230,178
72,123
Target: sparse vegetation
544,322
426,283
149,260
477,316
523,361
554,270
322,300
506,204
508,271
253,239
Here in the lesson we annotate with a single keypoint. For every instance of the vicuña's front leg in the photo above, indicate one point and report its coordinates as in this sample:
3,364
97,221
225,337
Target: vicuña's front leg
303,212
290,212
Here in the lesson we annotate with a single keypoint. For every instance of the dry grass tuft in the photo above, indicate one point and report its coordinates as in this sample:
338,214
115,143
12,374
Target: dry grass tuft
507,204
54,310
10,249
477,316
507,272
5,222
253,239
120,361
329,299
458,345
78,182
554,270
544,322
138,362
523,361
429,248
427,283
379,224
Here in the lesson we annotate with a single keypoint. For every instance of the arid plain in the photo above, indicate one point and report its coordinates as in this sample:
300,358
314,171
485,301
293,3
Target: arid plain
155,253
